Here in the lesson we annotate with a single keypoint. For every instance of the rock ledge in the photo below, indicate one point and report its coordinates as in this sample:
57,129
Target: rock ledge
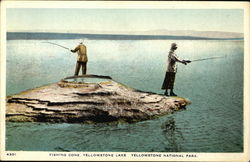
73,102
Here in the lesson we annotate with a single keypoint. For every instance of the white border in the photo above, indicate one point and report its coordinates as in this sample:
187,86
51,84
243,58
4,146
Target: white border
3,80
26,155
246,111
128,4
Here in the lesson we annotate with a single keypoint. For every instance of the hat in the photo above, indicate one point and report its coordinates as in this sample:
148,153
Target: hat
173,45
81,41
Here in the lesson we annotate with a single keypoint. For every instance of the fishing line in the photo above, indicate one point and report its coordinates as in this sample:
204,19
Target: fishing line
57,45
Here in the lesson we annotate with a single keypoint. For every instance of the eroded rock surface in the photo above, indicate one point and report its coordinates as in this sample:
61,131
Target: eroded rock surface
98,102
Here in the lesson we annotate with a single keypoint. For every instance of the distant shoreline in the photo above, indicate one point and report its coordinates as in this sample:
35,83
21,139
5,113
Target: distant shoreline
48,35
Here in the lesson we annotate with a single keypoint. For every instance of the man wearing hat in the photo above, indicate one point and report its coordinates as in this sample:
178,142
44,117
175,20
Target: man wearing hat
168,83
82,58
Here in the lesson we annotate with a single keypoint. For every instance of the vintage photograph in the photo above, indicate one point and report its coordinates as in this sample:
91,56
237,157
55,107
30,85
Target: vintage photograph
123,81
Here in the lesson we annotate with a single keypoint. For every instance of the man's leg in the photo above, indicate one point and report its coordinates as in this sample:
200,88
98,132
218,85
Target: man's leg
84,68
77,69
166,92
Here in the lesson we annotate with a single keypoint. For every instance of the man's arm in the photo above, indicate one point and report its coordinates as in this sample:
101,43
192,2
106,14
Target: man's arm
76,49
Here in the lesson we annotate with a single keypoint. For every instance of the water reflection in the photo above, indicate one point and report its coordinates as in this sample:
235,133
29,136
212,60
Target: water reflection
172,134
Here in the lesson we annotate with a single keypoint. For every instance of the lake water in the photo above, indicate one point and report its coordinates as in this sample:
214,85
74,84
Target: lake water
212,123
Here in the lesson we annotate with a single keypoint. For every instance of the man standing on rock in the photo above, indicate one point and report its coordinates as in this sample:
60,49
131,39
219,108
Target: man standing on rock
168,83
82,58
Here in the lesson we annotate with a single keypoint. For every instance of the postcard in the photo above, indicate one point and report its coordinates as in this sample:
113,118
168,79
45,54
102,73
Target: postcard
124,81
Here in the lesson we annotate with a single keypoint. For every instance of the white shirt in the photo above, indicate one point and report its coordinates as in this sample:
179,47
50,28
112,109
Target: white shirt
172,59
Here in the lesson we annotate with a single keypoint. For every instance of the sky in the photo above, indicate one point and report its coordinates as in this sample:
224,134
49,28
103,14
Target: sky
73,19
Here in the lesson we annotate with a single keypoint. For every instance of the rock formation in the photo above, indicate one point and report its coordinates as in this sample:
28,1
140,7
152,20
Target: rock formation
78,102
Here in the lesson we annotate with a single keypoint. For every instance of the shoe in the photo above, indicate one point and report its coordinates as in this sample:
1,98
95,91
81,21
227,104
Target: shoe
166,94
173,94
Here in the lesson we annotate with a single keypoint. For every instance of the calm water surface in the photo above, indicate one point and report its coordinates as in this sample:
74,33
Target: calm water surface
212,123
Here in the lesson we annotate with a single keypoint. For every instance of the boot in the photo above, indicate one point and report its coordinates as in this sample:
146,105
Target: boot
172,94
166,93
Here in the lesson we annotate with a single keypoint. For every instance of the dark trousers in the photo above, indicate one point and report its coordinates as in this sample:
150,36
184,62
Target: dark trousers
80,64
168,82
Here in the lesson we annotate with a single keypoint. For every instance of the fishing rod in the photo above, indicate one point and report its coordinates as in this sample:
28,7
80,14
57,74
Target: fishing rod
57,45
209,58
191,61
